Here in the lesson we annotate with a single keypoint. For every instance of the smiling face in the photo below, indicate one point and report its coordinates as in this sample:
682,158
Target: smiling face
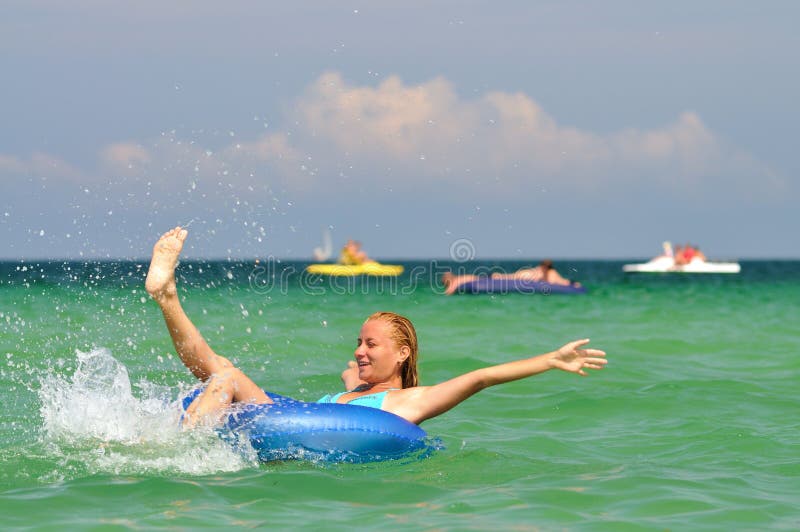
378,357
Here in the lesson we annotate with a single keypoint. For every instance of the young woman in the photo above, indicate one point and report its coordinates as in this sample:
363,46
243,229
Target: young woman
383,375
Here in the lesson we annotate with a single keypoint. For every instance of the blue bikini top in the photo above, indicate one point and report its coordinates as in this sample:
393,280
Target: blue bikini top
373,400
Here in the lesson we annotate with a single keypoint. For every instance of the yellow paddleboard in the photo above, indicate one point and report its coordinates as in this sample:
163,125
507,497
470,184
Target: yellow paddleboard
368,268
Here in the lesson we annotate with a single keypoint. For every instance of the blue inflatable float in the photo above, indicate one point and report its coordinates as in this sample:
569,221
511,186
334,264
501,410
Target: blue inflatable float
289,429
486,285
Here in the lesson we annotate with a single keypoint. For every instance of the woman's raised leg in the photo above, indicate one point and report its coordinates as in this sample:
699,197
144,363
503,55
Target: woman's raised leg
190,345
226,383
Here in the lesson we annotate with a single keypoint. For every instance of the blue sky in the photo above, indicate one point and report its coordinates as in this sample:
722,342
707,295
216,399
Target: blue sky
531,129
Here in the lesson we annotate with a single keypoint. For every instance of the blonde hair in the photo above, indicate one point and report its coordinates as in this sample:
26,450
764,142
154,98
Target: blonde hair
403,334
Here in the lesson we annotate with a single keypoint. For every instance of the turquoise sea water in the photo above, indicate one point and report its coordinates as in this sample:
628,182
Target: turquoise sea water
695,423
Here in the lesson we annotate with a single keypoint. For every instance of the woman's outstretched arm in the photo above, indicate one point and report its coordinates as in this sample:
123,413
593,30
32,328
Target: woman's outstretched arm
424,402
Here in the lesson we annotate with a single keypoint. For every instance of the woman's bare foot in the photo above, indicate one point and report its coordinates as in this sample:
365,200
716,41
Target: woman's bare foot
160,281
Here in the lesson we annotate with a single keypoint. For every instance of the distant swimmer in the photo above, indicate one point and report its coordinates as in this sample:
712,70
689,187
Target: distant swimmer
544,272
383,374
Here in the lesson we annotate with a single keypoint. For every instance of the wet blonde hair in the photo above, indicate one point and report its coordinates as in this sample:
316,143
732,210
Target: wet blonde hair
403,334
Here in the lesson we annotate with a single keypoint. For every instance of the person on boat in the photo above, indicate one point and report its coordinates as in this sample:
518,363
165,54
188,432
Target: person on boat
699,255
544,272
383,374
686,254
353,255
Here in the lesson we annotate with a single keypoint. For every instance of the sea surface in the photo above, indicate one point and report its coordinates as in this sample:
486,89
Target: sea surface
694,424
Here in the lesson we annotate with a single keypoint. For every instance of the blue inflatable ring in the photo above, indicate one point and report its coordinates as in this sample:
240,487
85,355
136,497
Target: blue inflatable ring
290,429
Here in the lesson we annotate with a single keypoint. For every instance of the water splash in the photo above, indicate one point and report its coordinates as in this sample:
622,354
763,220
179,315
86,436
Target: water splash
93,418
96,402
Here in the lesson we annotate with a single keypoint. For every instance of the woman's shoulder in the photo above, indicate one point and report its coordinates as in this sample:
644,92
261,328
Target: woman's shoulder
403,394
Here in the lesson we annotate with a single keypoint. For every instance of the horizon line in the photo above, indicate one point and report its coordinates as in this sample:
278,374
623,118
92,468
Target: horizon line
380,260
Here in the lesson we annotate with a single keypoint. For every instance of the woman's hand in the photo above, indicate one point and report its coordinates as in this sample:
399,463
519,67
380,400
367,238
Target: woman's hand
571,358
350,376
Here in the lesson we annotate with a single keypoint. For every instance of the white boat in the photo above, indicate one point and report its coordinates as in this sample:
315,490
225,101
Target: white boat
667,265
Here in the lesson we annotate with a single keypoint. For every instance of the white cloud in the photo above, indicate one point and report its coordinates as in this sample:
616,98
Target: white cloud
126,154
429,132
38,165
11,165
400,136
170,163
280,157
393,121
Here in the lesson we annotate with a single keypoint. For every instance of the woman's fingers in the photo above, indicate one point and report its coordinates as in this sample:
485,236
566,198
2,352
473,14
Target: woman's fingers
577,343
593,360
